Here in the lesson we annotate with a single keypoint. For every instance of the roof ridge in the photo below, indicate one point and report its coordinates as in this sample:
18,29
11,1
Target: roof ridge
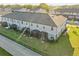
52,18
30,12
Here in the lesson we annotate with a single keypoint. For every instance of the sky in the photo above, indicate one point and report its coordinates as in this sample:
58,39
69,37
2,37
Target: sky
50,2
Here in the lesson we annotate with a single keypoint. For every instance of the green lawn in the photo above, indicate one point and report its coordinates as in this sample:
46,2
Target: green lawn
61,48
4,53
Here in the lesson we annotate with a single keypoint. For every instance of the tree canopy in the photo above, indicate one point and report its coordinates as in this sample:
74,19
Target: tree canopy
44,6
29,6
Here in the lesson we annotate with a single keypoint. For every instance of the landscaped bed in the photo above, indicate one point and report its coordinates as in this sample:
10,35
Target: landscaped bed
61,47
4,53
73,32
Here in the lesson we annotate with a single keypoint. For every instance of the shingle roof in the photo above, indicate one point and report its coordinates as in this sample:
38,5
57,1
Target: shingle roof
59,20
40,18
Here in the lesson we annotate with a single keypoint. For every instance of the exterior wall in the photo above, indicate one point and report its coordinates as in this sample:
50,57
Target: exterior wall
52,34
32,26
60,29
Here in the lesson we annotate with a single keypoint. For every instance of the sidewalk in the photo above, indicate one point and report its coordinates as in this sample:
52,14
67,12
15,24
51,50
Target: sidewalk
15,49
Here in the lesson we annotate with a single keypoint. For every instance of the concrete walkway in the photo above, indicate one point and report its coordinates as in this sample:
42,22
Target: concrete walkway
15,49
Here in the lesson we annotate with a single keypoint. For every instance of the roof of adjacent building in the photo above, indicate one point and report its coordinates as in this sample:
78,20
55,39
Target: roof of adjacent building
4,13
74,10
40,18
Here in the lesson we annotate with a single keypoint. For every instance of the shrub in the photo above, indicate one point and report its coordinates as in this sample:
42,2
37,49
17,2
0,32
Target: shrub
22,29
13,26
35,33
4,24
27,31
44,36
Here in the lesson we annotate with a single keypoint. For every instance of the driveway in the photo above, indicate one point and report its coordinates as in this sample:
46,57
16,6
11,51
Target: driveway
15,49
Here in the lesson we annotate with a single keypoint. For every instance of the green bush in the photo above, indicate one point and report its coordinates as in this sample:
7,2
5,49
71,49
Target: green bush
4,24
35,33
13,26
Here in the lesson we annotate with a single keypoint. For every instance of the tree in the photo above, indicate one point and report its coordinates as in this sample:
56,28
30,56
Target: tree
34,6
44,6
29,6
72,21
13,26
24,6
16,6
1,6
7,6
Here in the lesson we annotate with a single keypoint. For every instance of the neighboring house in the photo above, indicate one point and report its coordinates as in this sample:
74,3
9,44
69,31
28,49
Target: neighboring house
37,10
16,9
52,25
23,10
5,9
3,13
8,9
68,12
1,9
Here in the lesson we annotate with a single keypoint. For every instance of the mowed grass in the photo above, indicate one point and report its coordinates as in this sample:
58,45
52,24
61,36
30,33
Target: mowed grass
60,48
4,53
73,32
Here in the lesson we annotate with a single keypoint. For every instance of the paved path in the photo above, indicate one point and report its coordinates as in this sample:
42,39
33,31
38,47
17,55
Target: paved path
15,49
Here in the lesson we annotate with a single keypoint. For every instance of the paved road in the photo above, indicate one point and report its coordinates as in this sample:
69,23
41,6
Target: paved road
15,49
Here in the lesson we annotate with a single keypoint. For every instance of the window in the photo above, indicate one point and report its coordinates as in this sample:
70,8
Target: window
37,26
22,22
43,27
51,28
52,38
